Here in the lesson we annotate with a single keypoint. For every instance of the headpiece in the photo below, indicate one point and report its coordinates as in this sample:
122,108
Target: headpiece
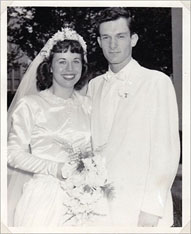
65,34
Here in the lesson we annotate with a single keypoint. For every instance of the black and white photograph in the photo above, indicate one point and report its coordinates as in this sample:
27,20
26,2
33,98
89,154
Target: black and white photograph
95,107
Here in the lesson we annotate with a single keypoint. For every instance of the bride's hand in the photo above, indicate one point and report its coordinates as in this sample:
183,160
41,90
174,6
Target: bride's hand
65,170
59,171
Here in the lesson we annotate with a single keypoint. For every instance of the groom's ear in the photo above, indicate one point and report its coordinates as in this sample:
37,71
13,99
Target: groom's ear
99,41
134,39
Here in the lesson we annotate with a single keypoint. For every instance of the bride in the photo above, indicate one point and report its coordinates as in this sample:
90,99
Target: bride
49,139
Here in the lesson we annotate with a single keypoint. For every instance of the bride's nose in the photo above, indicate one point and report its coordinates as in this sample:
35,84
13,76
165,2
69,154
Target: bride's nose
69,66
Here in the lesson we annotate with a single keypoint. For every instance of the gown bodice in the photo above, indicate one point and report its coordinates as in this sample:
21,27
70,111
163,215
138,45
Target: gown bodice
52,126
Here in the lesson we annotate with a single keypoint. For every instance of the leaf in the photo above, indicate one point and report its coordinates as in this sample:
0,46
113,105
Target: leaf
80,166
108,191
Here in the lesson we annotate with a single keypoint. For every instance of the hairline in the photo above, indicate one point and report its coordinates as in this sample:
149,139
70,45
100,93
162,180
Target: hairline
128,20
66,49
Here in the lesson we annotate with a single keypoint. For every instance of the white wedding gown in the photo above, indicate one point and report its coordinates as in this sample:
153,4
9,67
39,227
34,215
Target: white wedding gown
51,125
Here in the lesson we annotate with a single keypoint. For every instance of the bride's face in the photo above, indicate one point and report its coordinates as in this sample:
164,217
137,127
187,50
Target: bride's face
66,68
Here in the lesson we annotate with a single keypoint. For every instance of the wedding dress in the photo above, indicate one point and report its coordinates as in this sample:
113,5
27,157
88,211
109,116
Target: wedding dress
52,126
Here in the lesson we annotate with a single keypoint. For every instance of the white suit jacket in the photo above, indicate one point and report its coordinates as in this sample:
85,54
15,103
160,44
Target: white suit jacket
135,127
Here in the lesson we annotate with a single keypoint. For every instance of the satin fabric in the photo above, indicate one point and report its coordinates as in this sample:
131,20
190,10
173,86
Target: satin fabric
134,125
44,128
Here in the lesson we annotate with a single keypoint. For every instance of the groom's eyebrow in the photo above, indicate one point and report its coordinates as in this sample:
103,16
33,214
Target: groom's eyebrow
122,33
104,34
119,33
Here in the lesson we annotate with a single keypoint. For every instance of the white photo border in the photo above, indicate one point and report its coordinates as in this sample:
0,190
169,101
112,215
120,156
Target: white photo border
185,5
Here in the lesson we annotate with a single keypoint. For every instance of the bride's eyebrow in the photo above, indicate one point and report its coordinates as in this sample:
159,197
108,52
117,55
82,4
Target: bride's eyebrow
61,59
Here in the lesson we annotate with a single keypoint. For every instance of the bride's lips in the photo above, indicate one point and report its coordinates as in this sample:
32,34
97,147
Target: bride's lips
68,77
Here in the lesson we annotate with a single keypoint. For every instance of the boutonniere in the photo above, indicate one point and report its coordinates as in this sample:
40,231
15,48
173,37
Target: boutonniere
123,92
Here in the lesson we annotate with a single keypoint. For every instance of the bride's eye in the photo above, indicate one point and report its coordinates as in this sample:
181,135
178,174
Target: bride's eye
62,62
77,61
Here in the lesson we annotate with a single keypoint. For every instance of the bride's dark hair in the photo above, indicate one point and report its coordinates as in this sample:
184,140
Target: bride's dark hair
44,74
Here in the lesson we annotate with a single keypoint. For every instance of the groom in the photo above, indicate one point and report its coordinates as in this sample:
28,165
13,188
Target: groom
135,127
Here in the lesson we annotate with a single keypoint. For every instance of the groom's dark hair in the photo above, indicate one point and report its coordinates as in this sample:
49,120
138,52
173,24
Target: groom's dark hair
114,13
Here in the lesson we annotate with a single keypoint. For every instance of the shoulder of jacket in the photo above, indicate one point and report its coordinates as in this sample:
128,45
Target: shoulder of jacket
155,75
97,79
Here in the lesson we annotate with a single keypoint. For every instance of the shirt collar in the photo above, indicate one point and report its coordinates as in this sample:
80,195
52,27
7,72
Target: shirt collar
122,74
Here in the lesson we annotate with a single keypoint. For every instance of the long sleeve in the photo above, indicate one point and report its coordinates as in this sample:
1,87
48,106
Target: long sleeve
19,156
164,147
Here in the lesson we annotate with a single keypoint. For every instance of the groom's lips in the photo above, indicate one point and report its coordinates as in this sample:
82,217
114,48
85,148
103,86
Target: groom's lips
114,52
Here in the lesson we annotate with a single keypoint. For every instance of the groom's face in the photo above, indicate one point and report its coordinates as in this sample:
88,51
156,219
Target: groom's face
116,41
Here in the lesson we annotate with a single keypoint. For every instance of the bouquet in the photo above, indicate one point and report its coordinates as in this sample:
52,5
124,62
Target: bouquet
86,186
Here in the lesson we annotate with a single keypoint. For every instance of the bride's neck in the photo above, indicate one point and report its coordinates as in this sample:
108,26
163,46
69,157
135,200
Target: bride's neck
64,93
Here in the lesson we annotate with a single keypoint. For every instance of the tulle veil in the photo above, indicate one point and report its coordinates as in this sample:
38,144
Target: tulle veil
17,178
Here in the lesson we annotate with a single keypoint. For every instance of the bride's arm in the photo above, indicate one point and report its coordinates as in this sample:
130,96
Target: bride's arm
23,120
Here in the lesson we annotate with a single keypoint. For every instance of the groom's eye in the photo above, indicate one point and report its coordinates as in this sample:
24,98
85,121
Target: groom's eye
121,36
104,37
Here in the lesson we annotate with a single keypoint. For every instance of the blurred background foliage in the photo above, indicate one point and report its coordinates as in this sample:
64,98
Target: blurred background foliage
30,27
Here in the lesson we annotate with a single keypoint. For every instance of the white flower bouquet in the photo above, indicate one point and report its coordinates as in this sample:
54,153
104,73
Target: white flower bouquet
86,186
